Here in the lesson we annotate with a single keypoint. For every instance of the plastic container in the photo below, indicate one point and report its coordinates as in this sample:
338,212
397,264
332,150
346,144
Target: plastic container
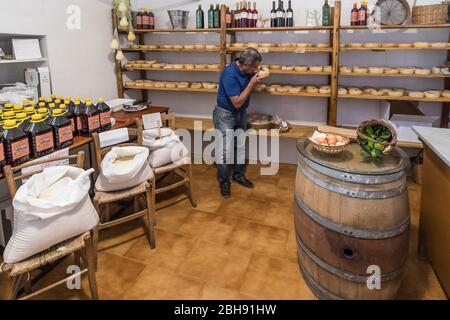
104,112
22,120
15,140
90,120
62,129
2,152
40,136
43,112
77,111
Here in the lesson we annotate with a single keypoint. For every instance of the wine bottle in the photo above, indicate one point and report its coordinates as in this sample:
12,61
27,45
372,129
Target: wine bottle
211,17
200,18
273,15
280,15
326,14
255,15
233,18
244,15
217,17
237,16
228,18
290,15
355,15
362,14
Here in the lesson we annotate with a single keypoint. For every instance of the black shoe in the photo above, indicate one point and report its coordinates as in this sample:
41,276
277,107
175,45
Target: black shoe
243,181
225,190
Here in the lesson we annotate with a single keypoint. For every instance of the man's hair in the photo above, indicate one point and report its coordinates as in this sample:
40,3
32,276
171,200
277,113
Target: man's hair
250,56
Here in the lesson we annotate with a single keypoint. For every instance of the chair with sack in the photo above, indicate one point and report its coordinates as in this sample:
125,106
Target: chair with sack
168,156
53,218
124,174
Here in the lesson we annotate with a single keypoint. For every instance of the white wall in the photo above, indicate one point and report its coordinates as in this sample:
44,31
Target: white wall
80,60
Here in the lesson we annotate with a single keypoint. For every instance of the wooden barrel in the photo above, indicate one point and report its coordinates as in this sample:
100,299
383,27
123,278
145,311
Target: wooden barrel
352,222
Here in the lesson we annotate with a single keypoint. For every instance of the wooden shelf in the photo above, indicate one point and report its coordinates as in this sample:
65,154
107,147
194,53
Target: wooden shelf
173,30
286,50
403,98
405,26
390,49
301,94
300,73
22,61
296,132
169,89
170,50
429,76
172,70
297,28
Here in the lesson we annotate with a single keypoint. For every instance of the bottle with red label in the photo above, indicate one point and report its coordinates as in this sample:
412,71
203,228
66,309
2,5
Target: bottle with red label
151,19
70,115
90,120
77,111
40,136
17,147
104,112
355,15
146,20
362,14
62,129
139,19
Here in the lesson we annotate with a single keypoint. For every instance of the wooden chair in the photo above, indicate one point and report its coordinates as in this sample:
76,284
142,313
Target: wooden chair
102,200
182,168
82,246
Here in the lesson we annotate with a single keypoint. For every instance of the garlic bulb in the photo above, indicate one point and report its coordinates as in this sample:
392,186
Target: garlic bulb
119,55
123,22
115,44
122,7
131,36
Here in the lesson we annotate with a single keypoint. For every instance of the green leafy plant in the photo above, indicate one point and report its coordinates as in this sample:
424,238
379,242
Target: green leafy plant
379,135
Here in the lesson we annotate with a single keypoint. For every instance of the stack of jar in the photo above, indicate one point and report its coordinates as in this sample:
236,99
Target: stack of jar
36,129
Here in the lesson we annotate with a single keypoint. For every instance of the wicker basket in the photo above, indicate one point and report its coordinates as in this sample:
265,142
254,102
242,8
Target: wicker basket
389,146
330,149
430,14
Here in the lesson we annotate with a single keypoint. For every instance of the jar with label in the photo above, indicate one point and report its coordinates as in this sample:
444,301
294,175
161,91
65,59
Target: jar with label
90,120
40,136
17,147
104,112
62,129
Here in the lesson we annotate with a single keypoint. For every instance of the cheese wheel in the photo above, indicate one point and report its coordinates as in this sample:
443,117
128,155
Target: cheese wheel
432,94
422,71
421,44
416,94
196,85
301,68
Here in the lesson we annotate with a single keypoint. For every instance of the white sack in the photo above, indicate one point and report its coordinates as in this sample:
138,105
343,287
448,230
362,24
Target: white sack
123,168
51,207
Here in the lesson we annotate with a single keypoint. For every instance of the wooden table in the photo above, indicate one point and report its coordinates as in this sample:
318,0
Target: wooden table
434,223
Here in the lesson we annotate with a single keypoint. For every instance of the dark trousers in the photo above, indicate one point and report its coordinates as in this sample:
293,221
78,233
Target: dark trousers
230,143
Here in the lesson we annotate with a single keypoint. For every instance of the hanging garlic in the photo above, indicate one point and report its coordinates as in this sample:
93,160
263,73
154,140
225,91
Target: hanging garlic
131,36
119,55
123,22
122,7
115,44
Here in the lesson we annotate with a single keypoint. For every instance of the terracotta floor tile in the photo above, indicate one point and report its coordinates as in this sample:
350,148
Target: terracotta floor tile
212,292
208,226
259,238
280,215
171,250
119,239
245,208
172,217
222,265
156,283
209,201
272,193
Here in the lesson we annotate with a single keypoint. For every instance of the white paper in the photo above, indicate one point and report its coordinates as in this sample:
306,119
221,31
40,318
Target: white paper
152,120
113,137
26,49
40,167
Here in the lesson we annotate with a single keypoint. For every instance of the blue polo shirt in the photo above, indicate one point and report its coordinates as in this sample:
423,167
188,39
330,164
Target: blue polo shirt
231,84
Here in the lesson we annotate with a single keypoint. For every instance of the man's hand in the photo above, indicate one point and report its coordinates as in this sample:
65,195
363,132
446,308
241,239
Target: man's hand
255,80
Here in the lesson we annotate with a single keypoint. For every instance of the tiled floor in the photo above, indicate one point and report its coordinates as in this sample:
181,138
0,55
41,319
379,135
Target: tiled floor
240,248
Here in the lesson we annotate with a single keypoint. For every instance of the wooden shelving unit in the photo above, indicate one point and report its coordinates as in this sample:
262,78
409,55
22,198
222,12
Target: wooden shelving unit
397,75
172,89
170,70
333,51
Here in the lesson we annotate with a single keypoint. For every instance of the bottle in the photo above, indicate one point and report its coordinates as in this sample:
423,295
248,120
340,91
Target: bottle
355,15
211,17
40,136
362,14
139,20
17,147
30,111
237,15
44,113
200,18
326,14
41,99
280,15
151,19
145,19
90,121
62,129
57,102
50,108
228,18
249,15
104,112
2,152
273,16
289,15
244,15
233,18
48,101
77,111
18,108
9,115
22,120
255,15
216,14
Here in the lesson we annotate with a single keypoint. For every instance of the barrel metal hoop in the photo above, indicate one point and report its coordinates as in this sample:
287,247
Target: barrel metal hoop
352,177
346,275
319,292
350,231
353,192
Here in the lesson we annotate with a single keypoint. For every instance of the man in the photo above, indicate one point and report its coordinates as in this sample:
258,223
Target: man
235,86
